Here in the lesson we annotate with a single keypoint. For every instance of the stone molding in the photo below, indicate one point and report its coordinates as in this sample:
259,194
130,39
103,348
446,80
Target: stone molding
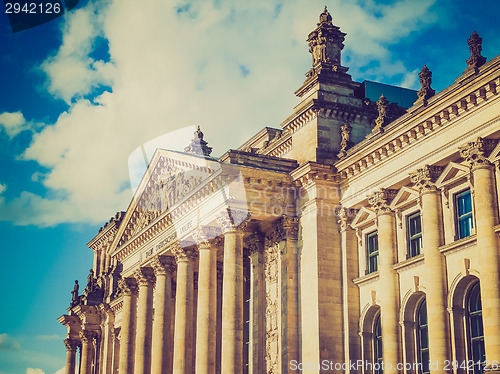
145,276
424,179
163,265
128,286
380,200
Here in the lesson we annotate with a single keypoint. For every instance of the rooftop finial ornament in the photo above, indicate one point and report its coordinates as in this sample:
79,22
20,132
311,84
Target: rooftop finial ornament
475,46
198,146
425,91
325,17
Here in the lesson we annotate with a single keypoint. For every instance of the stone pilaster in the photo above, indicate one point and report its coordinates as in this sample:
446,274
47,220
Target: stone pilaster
144,329
163,267
435,265
350,291
87,351
107,327
257,336
206,328
128,287
232,290
486,217
71,346
291,227
183,330
388,292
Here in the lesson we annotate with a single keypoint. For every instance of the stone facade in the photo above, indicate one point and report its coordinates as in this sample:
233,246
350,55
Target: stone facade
357,237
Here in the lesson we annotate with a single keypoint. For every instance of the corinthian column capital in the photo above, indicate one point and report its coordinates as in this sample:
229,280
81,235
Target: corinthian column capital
87,336
230,220
425,177
71,344
145,276
255,243
474,152
184,254
291,227
345,216
128,286
379,200
163,265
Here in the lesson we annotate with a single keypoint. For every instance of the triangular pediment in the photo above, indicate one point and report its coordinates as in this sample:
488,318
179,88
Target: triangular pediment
404,196
170,179
364,215
495,154
451,173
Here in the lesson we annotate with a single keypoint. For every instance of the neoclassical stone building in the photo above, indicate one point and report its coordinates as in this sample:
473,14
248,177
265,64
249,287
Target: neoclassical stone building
359,237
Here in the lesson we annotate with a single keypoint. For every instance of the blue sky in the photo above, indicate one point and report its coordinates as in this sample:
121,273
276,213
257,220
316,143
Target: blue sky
80,93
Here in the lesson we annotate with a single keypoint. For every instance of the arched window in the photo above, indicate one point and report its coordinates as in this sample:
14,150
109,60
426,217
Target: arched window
377,346
423,338
476,335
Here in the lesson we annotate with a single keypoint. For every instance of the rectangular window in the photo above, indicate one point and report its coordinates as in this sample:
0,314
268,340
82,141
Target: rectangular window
372,251
463,206
414,225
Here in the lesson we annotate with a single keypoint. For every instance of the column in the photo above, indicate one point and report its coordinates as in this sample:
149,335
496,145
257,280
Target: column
144,329
218,345
291,226
350,291
206,329
232,296
183,327
128,288
435,265
107,327
163,267
116,351
71,345
87,351
388,291
257,305
486,217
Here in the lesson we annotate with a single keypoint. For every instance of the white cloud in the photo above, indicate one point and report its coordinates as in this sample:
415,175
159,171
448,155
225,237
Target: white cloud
3,187
34,371
61,371
48,337
13,123
230,67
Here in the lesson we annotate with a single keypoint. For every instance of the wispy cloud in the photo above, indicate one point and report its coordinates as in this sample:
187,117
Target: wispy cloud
8,343
49,337
34,371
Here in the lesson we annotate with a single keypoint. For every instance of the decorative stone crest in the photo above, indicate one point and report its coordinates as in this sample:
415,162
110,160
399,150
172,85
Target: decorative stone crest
382,105
380,200
425,177
163,265
345,142
425,91
291,227
198,146
128,286
475,60
145,276
325,45
474,152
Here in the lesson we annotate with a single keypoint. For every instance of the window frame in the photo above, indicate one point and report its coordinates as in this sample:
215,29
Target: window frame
371,254
422,352
462,217
410,237
377,344
474,340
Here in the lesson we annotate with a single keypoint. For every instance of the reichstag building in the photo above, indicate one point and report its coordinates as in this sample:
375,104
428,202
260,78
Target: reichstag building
361,236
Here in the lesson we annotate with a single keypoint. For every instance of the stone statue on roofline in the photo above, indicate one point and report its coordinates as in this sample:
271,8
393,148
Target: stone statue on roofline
345,142
425,91
475,60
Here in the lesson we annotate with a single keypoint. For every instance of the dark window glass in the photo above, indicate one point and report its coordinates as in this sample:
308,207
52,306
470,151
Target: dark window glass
377,347
463,204
414,235
423,339
372,251
476,335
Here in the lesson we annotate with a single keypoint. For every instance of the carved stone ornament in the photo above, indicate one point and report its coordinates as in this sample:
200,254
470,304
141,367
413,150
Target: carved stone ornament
145,276
201,237
228,220
474,152
128,286
425,177
345,216
475,60
255,243
345,142
185,254
198,146
425,91
163,265
71,344
176,183
276,235
380,200
87,336
382,105
291,227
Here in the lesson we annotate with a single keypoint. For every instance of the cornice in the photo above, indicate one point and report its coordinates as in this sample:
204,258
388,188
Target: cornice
313,172
419,123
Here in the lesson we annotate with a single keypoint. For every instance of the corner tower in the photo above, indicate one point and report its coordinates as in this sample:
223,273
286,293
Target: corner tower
328,100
